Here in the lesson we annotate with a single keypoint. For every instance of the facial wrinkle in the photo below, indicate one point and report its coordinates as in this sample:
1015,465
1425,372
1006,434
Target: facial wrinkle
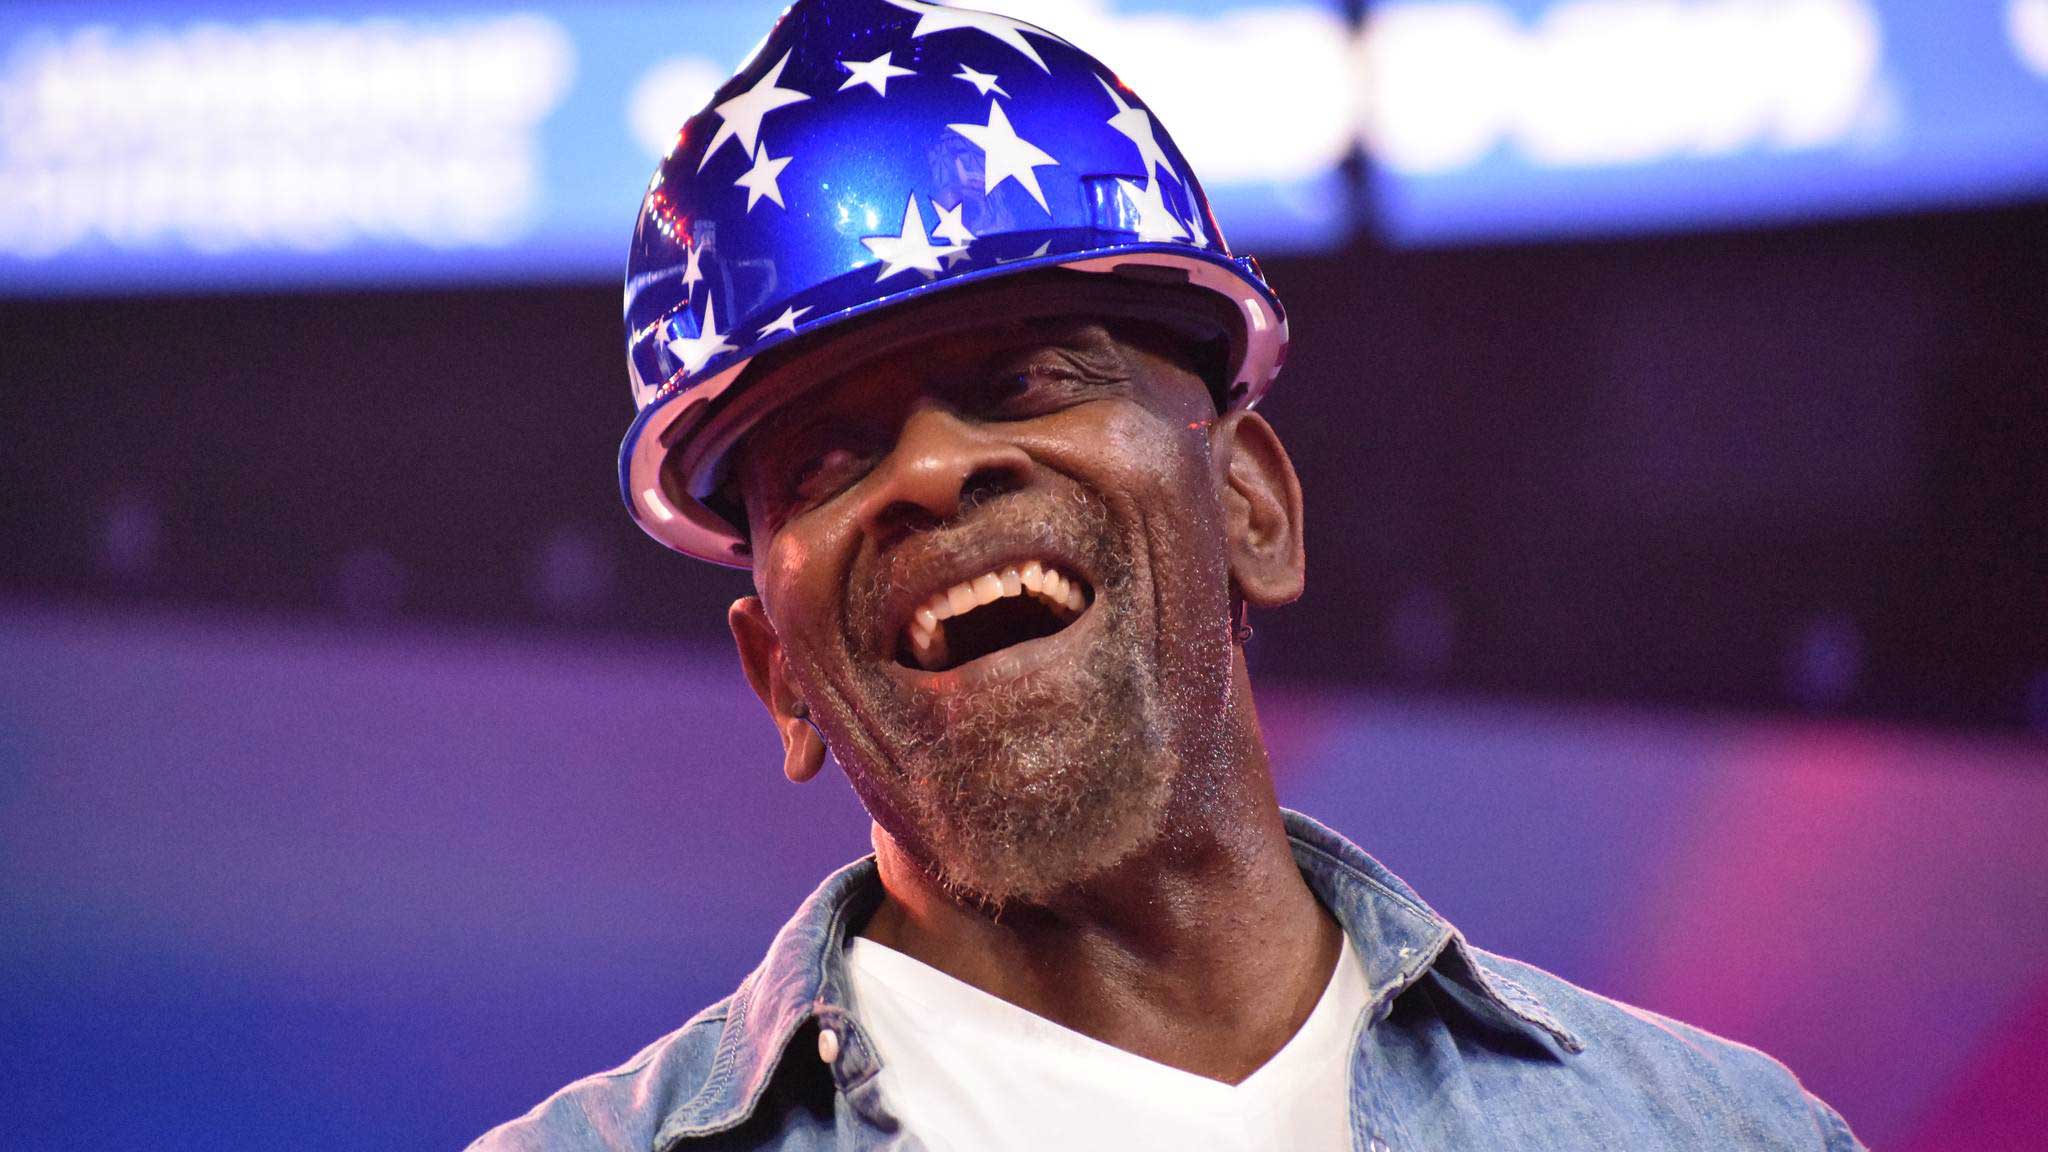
1020,789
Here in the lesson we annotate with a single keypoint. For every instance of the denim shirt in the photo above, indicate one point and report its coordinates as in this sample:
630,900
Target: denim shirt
1459,1049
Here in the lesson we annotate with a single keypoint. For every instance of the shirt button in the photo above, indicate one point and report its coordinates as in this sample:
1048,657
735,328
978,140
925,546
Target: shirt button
828,1050
1378,1145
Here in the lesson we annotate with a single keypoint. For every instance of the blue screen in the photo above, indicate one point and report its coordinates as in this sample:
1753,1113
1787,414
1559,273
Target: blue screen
1503,118
159,147
184,147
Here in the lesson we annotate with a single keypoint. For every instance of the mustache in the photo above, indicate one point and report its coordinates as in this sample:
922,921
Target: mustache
1074,521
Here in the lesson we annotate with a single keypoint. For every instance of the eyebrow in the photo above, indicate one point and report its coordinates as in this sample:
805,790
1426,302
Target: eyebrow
1098,348
1091,342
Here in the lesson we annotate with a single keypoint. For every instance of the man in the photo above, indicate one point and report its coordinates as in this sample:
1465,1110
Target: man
932,329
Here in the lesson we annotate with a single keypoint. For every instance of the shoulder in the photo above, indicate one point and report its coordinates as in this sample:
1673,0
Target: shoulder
620,1109
1677,1073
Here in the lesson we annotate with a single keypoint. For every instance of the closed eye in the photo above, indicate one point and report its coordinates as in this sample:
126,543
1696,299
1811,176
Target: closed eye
826,473
1034,390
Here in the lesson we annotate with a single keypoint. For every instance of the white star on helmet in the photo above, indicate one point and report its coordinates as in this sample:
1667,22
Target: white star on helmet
1156,221
1136,124
697,351
909,249
693,270
933,18
985,82
874,73
761,179
783,323
953,230
740,117
1006,155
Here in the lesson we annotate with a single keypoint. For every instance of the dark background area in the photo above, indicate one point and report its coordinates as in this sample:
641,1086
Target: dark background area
1795,468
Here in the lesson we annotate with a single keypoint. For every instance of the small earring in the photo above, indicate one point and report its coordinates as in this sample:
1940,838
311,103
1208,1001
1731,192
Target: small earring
800,710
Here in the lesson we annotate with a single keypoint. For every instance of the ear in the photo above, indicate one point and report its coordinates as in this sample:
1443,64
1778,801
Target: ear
1261,509
803,750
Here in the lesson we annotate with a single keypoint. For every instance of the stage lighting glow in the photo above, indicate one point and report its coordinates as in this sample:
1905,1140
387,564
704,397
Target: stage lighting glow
668,94
265,143
2026,22
1253,93
1605,83
1489,118
302,135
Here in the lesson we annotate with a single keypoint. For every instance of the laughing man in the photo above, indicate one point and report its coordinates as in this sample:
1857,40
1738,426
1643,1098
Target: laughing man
931,328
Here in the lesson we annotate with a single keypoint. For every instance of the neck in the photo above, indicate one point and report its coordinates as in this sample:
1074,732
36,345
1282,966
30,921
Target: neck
1204,951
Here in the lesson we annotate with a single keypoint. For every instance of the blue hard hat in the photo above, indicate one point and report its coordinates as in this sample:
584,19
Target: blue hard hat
873,153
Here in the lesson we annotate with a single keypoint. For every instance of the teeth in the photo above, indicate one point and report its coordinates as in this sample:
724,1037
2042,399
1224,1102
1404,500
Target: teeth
961,598
988,589
928,646
927,629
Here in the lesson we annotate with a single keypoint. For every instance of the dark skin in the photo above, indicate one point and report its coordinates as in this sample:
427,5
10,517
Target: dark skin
1203,948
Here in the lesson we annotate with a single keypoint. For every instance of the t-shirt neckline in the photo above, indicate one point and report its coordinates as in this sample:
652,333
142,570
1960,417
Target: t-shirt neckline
957,1007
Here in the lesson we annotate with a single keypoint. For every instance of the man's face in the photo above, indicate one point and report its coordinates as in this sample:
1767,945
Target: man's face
1016,739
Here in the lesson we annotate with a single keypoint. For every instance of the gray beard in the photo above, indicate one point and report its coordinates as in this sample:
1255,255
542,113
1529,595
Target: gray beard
1017,792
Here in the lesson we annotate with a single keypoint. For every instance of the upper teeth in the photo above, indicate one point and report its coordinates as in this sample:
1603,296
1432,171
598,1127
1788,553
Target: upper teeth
927,625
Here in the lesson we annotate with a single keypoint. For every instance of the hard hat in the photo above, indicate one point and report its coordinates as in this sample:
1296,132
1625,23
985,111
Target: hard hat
873,153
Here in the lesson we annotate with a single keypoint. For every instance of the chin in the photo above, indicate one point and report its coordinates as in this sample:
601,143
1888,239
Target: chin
1029,847
1018,791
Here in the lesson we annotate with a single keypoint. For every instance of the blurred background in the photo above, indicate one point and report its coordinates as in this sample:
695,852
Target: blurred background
1670,387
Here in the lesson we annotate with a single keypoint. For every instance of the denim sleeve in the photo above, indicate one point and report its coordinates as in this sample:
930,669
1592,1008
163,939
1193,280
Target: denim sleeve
619,1110
1835,1134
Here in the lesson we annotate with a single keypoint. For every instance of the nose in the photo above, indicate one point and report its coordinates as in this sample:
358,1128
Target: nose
940,462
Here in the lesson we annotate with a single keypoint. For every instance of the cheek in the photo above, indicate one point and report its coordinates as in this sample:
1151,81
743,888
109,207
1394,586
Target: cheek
803,581
797,593
1167,468
1184,510
807,560
788,557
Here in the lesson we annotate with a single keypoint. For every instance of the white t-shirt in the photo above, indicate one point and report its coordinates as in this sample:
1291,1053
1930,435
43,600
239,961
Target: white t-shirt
967,1072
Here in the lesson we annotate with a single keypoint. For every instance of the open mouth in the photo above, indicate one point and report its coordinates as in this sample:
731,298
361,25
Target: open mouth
996,610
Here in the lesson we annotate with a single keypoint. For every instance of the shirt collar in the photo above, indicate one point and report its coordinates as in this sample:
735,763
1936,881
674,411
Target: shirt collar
802,981
1399,938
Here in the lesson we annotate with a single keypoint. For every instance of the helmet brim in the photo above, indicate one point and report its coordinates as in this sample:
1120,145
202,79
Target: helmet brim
673,457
